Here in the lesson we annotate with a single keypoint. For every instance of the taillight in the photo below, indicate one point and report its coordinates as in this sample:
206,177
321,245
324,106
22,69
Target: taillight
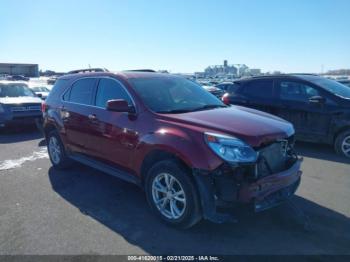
225,98
43,107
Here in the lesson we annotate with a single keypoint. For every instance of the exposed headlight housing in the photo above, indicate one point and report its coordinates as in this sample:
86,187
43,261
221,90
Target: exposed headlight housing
230,149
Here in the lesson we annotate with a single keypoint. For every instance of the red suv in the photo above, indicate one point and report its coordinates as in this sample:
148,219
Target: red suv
190,153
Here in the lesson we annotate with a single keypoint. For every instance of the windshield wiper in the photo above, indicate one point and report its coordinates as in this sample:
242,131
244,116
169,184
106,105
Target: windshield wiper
179,111
175,111
205,107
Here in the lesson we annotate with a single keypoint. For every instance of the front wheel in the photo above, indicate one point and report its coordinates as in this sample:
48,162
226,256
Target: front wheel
172,195
56,151
342,143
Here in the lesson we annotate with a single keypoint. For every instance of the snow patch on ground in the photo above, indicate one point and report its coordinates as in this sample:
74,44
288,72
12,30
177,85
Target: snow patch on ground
15,163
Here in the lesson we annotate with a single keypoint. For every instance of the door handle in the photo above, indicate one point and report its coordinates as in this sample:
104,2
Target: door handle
92,117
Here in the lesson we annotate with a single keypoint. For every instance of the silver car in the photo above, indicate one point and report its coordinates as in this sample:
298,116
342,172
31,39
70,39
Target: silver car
19,105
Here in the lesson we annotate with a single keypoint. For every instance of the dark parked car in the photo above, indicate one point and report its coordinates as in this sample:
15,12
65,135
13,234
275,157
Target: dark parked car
186,149
18,105
319,108
52,80
17,78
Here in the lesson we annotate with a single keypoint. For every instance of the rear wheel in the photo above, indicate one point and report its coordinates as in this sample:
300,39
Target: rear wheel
342,143
172,195
56,151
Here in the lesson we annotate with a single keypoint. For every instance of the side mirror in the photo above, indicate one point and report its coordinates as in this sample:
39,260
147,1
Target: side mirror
317,100
39,95
119,105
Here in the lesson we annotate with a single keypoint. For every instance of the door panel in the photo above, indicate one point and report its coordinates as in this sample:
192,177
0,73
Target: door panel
75,111
113,137
113,132
77,127
257,94
311,121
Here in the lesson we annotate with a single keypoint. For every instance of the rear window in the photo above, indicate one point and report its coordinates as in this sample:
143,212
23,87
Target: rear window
259,88
57,89
81,91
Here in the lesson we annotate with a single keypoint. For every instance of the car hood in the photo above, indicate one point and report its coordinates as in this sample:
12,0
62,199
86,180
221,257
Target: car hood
19,100
252,126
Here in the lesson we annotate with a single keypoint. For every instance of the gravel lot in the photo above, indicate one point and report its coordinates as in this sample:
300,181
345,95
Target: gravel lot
83,211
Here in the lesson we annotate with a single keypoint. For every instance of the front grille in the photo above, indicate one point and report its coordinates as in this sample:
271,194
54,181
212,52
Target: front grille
26,108
273,158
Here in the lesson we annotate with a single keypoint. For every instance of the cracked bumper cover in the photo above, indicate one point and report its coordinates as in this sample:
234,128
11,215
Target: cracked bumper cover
264,193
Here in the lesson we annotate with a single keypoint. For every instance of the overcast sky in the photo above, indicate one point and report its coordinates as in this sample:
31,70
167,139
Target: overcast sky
177,35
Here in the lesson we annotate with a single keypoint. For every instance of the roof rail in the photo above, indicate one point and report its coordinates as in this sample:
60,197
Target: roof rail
88,70
281,74
141,70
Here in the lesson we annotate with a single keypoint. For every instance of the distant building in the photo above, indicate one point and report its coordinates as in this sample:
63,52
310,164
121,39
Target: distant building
339,72
255,71
228,71
220,70
29,70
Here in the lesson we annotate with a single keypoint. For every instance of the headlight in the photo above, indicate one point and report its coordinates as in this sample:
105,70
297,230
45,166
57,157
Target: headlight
230,149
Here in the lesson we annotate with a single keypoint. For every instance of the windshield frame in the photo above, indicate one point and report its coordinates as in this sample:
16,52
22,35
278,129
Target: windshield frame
39,89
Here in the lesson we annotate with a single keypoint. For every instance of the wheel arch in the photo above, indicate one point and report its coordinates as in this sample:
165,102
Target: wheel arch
157,155
49,127
339,131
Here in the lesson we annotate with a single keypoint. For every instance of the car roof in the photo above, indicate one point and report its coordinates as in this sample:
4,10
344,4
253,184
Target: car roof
123,74
291,76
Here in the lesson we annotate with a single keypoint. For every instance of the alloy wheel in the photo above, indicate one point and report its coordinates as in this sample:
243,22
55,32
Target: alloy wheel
54,150
168,196
346,146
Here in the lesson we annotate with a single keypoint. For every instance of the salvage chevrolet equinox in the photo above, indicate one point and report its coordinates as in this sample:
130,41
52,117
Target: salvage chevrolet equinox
190,153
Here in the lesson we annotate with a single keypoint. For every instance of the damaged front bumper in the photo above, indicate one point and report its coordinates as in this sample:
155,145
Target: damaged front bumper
272,190
266,192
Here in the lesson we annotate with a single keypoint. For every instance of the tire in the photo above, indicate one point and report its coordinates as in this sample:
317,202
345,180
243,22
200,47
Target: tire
189,206
342,144
57,153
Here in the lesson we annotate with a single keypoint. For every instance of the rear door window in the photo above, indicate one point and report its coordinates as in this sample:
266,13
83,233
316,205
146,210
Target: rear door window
259,88
81,91
109,89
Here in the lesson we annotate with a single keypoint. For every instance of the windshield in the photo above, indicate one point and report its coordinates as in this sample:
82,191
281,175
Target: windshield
40,89
332,86
15,90
174,95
